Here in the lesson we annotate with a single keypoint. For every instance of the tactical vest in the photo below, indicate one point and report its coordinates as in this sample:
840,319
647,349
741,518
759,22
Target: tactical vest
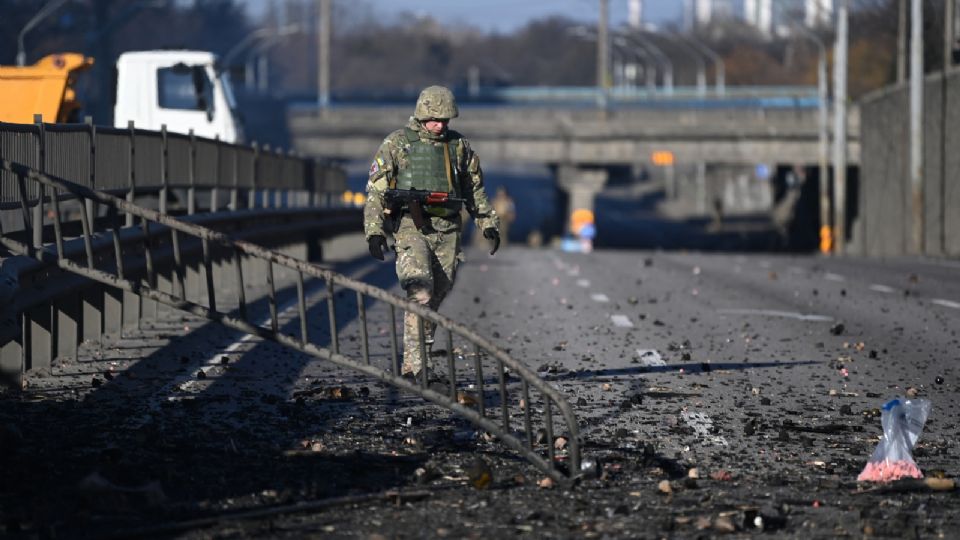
428,168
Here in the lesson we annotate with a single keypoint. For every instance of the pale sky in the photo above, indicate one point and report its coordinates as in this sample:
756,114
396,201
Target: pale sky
506,15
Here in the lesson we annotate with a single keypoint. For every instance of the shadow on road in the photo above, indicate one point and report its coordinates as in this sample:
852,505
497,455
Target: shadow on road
689,367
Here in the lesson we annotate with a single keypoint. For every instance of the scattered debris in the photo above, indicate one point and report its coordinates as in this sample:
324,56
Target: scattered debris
721,475
480,473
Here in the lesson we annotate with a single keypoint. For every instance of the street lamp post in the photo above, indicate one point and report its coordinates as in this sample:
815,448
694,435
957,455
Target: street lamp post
840,130
260,52
719,68
44,12
260,33
916,125
665,62
824,175
698,59
649,69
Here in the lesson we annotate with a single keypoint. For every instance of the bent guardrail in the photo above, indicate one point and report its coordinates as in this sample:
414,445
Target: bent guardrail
535,399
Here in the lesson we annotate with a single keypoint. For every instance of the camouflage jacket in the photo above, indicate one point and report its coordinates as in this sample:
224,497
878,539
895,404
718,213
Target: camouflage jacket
390,158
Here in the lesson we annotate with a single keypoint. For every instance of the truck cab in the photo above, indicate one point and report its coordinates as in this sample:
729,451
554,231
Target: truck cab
181,89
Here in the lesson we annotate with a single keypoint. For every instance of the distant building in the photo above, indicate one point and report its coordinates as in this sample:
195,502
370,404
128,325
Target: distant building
769,17
635,13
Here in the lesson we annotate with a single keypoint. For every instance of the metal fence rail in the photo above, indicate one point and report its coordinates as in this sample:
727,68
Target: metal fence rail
525,413
141,163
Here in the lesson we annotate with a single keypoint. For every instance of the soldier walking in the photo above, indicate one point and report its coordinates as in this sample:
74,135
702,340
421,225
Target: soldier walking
426,155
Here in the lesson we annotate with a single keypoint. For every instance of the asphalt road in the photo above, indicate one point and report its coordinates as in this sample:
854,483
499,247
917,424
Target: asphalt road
717,393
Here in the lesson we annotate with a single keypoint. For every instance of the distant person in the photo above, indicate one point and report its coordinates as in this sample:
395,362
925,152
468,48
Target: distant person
426,155
506,210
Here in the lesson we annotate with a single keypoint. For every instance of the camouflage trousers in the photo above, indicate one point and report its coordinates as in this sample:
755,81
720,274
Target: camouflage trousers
426,267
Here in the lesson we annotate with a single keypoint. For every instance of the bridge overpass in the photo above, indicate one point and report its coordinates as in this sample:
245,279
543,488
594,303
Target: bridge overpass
584,144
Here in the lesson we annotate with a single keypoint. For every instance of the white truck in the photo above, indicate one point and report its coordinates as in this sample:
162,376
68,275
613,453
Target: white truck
181,89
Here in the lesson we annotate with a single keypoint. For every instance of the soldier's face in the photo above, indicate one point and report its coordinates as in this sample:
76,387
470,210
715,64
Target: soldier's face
435,126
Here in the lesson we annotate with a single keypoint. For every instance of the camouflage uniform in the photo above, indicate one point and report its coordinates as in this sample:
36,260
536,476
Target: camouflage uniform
426,259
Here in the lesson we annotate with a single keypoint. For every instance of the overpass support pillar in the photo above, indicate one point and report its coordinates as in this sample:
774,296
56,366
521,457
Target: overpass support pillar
581,185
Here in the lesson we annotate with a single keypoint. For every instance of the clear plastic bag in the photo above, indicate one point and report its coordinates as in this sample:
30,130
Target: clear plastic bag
902,421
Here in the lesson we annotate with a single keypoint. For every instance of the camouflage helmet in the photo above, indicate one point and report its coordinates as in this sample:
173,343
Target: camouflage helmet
436,102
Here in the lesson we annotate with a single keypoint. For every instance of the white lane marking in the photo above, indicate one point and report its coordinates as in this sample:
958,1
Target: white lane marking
188,380
650,358
776,313
882,288
946,303
599,297
834,277
622,321
703,426
583,283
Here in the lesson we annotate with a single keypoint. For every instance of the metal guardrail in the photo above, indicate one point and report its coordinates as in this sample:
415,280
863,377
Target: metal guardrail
536,400
141,163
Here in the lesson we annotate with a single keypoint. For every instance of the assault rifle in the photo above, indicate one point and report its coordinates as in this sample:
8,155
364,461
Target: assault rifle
414,199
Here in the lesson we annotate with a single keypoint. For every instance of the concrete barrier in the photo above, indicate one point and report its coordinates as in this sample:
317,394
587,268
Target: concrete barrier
885,208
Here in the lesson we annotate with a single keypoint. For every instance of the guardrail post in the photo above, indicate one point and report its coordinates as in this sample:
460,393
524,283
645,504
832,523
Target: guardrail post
252,194
11,357
90,205
41,164
192,175
131,302
267,193
164,282
131,172
164,173
67,323
234,189
215,191
40,341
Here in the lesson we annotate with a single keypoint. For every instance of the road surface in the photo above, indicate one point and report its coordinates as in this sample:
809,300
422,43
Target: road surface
717,393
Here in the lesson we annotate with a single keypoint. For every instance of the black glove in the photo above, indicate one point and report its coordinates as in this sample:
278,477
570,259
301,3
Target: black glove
377,245
494,236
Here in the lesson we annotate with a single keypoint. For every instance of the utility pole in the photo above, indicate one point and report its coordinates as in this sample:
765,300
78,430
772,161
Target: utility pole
603,48
826,238
603,57
948,38
948,32
323,55
901,41
840,130
916,125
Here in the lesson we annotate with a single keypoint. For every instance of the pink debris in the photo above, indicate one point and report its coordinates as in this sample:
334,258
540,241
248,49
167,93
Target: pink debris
887,471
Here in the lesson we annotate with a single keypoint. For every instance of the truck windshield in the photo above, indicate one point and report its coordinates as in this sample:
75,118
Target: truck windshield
185,88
